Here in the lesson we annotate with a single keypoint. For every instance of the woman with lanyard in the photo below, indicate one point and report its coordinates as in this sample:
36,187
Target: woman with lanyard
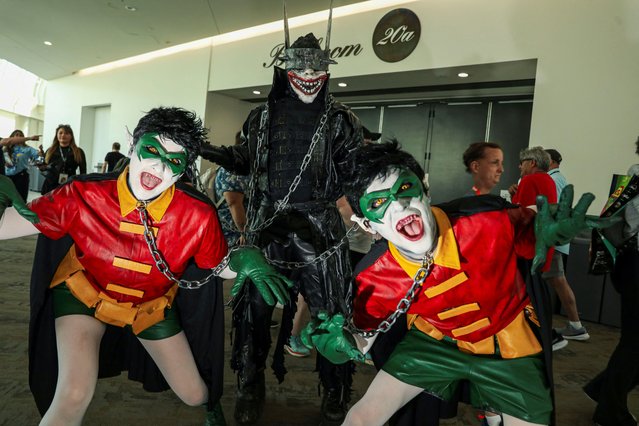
62,159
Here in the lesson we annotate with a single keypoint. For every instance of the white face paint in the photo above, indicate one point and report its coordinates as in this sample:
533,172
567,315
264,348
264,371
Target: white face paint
149,177
306,83
408,223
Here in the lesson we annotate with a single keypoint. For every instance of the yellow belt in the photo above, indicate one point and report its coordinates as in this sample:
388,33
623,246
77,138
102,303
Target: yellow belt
516,340
108,310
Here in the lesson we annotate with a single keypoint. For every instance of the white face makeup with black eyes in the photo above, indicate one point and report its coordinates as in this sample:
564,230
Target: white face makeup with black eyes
306,83
149,177
408,222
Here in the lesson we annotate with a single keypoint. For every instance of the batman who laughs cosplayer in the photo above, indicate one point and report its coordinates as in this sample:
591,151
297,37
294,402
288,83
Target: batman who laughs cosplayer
295,149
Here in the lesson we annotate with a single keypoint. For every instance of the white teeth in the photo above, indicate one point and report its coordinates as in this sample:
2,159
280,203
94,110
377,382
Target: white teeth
308,87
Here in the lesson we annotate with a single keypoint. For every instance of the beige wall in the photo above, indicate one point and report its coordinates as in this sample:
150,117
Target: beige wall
179,80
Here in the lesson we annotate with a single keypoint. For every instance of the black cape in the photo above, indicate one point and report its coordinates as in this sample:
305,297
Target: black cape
201,314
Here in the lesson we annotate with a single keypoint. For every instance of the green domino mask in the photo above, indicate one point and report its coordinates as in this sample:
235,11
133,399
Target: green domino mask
149,147
374,204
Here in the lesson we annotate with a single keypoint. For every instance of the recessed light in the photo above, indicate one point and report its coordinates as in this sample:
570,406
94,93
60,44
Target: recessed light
342,84
130,8
257,92
463,74
48,43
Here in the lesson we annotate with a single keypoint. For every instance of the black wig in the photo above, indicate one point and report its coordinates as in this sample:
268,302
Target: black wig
181,126
371,160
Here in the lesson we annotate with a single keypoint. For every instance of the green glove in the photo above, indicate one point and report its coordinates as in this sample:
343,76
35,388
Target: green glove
249,263
9,195
556,226
330,338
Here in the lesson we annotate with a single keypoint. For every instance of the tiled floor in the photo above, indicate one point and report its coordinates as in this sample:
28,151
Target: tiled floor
119,402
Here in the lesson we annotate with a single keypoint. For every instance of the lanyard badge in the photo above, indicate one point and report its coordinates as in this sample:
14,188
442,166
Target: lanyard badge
374,204
149,147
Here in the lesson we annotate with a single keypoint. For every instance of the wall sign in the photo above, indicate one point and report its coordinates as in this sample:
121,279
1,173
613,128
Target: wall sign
396,35
336,52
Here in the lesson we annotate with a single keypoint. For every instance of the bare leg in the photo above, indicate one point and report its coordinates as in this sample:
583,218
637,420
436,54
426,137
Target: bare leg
300,316
513,421
78,344
384,397
174,359
566,296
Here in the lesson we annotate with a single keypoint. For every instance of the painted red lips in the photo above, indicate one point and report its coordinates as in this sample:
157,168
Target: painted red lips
411,227
149,181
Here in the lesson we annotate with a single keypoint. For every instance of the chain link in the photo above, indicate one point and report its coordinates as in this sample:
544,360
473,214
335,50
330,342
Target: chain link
404,303
161,264
253,227
319,258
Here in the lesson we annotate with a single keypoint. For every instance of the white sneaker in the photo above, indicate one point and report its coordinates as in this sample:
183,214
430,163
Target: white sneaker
571,333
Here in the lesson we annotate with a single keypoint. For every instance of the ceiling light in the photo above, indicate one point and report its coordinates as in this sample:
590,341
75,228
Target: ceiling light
48,43
131,8
342,84
246,33
463,74
257,92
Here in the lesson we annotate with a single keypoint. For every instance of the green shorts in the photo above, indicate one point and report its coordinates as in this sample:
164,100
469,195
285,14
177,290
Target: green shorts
517,387
65,303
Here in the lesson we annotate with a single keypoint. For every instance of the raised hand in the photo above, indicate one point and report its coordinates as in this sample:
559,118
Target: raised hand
9,195
332,340
558,226
249,263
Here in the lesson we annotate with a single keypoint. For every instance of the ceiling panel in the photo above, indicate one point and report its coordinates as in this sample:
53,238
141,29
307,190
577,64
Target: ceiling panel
85,33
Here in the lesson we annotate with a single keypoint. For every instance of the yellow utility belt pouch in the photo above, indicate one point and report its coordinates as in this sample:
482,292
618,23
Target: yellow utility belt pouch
108,310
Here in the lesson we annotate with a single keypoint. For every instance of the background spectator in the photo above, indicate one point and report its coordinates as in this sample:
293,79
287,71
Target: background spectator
533,166
485,163
20,155
112,158
556,276
62,159
231,203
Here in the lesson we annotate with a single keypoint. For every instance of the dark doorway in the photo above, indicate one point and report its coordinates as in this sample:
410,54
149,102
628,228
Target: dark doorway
437,133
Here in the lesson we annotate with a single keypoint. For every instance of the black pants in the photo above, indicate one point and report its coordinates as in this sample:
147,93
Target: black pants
611,386
21,181
252,316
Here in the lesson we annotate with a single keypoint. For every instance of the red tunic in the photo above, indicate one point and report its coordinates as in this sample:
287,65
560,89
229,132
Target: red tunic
101,218
474,289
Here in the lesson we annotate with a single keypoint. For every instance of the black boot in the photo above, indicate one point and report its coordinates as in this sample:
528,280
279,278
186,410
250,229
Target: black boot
250,402
334,406
215,417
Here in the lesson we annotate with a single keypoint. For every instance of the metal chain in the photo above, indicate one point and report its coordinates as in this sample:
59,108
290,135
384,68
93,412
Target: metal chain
161,264
282,204
404,303
319,258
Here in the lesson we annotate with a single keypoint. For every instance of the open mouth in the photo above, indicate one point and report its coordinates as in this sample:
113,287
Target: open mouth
411,227
308,87
149,181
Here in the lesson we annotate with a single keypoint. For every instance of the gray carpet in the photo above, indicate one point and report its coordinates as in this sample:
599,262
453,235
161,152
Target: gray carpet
119,402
